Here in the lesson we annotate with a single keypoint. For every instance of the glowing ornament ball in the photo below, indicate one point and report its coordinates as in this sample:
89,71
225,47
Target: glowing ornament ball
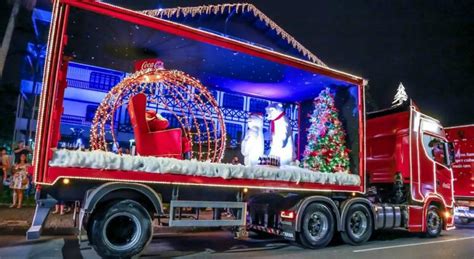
178,94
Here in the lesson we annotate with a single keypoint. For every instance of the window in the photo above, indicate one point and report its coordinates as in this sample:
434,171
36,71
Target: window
90,112
435,148
213,93
234,131
102,81
172,120
257,105
233,101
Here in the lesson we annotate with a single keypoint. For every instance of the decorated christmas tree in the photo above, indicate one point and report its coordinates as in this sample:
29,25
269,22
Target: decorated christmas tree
326,150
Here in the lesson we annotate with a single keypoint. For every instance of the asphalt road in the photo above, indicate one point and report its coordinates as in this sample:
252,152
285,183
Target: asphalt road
457,243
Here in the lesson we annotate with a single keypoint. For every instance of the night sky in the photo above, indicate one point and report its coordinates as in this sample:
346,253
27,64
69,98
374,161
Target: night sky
426,45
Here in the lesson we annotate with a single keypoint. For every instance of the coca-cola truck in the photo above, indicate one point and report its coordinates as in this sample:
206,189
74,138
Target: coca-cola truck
408,179
399,175
462,138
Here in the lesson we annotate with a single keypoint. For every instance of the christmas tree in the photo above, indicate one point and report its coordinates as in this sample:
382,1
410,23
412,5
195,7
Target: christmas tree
325,150
400,97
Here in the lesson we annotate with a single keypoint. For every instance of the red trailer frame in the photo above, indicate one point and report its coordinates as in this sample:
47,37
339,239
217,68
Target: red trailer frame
50,107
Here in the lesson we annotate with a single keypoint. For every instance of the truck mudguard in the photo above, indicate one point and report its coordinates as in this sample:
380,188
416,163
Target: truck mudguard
96,195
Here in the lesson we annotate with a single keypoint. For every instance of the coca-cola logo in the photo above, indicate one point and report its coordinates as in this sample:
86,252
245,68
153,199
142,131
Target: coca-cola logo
147,64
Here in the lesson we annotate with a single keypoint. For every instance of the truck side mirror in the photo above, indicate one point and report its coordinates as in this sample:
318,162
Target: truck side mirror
451,153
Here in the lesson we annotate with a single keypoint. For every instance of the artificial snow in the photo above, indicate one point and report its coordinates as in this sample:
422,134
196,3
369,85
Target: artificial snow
161,165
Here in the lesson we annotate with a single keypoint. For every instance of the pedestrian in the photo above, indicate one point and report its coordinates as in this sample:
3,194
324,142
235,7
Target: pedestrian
19,181
21,149
5,167
59,208
4,163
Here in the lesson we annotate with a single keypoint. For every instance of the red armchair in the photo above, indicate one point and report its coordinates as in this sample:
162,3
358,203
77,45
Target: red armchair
163,143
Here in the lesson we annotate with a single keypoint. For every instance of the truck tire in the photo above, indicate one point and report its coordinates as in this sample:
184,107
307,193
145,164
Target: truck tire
357,225
434,222
317,226
121,230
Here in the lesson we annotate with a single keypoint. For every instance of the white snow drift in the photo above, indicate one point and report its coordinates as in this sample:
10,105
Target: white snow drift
111,161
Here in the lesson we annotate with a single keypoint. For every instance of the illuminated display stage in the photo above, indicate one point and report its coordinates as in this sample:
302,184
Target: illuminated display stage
243,75
241,82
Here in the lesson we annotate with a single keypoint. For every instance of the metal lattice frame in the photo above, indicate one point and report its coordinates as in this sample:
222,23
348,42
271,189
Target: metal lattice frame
181,95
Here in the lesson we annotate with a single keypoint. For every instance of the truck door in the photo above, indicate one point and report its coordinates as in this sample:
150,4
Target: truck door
436,149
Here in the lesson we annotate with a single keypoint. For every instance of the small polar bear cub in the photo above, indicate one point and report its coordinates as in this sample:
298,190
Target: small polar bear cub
282,135
253,143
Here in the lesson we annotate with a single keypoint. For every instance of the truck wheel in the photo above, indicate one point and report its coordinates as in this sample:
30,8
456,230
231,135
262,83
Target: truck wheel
317,226
434,222
358,225
121,230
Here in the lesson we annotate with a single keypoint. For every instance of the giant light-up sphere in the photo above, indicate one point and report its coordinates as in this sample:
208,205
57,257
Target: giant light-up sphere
176,93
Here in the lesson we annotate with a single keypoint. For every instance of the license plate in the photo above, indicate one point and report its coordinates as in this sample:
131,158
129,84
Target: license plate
288,235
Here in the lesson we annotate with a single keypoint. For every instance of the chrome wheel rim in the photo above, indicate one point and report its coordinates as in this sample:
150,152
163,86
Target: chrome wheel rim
318,225
358,224
122,231
433,221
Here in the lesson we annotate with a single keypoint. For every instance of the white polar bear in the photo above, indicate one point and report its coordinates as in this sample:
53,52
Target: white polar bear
253,142
282,135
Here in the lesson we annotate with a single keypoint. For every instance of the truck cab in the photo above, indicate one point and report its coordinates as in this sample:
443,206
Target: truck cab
409,161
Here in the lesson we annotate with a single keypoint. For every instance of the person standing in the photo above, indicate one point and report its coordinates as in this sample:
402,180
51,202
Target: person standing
19,181
20,150
5,166
4,163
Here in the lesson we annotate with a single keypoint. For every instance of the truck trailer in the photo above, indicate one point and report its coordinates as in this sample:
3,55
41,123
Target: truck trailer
462,138
399,175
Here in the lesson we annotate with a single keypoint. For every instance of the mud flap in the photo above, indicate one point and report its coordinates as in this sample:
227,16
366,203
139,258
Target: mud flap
43,206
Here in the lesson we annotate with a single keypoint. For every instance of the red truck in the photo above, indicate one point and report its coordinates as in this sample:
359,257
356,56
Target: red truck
400,173
462,138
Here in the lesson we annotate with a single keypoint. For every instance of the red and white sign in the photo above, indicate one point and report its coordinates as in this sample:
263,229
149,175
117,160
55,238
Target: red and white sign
149,63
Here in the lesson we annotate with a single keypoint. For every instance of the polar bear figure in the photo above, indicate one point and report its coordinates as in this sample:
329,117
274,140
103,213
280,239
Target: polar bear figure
253,142
282,135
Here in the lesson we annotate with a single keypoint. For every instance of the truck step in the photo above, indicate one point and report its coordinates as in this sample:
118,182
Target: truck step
176,206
